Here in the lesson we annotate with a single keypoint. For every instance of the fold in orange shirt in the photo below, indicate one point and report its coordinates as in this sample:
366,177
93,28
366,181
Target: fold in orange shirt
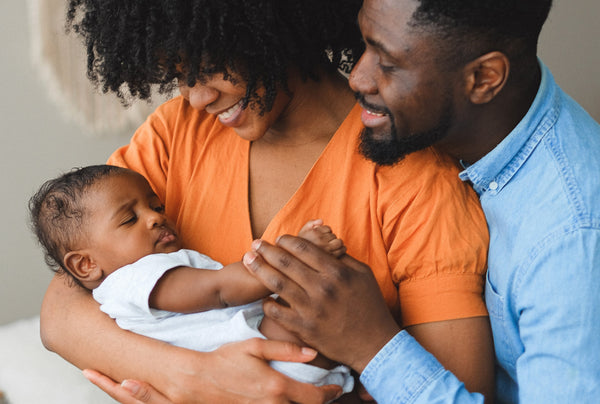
419,228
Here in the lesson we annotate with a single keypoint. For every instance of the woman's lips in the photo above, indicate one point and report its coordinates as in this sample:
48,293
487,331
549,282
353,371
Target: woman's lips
229,117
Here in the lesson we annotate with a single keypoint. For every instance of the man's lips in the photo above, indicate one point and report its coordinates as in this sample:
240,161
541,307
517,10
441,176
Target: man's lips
372,115
372,118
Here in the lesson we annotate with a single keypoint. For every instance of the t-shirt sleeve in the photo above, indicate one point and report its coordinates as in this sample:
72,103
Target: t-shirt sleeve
125,292
148,150
437,251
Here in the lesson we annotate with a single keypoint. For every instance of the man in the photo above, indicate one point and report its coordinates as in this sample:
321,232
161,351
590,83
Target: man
464,75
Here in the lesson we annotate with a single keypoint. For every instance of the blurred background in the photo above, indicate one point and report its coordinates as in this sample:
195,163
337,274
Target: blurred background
39,140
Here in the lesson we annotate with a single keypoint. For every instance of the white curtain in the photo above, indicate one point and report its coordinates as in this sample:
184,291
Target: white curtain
61,62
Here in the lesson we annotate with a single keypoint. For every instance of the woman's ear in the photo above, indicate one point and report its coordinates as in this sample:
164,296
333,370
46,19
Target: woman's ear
82,266
486,76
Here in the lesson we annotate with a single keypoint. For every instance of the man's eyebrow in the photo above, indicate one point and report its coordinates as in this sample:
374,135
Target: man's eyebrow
380,46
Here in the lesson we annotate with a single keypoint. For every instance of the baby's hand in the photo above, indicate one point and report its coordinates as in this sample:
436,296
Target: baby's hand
322,236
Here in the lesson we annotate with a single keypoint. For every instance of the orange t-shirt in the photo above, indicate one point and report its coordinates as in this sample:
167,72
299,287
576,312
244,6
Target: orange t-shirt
419,228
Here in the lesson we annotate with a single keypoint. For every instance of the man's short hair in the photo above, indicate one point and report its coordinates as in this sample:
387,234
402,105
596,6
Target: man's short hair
470,28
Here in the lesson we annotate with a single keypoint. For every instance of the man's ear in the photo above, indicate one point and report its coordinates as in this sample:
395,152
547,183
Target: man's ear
486,76
82,266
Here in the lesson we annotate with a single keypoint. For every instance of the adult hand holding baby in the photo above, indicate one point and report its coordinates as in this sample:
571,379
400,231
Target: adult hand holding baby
215,384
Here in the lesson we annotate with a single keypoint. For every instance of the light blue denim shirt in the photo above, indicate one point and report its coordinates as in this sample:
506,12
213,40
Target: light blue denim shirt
540,191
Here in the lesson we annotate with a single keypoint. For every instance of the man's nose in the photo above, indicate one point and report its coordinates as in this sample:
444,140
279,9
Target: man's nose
362,77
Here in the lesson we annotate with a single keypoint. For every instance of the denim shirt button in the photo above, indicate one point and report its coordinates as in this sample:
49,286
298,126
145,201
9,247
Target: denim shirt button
493,185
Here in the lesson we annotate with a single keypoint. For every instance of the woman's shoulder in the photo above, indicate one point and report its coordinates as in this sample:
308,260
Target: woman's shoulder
420,167
176,122
428,176
174,130
178,112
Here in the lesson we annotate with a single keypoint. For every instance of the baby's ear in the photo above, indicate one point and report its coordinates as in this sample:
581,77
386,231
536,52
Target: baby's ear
82,266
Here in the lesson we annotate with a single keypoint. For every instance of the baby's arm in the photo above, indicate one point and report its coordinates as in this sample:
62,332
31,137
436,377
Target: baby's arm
191,290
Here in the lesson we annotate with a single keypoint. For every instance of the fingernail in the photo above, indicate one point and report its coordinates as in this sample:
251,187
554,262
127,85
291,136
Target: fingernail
256,244
308,351
249,258
130,386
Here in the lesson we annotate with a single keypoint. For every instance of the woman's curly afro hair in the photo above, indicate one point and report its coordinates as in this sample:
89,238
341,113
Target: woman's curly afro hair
133,45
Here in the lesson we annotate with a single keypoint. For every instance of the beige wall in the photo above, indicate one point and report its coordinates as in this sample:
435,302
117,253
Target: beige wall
37,143
570,46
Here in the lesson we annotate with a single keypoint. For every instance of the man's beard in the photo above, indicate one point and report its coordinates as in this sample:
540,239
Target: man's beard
391,148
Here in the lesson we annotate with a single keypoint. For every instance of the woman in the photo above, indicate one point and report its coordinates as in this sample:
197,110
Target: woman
263,138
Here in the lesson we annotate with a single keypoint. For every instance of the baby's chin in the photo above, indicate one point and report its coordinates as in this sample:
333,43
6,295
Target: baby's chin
168,248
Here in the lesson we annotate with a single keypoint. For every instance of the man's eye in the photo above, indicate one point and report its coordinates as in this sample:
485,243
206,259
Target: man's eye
160,209
386,68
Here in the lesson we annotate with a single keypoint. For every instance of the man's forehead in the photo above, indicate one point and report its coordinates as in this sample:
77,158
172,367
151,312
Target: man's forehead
384,23
393,11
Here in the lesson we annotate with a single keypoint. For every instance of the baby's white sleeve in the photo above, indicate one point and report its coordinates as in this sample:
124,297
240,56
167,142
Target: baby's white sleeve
125,292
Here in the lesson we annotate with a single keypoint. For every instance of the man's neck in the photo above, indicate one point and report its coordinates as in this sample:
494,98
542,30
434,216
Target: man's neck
483,127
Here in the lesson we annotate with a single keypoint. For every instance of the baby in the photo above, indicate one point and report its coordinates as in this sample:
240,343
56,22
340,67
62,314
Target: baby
105,227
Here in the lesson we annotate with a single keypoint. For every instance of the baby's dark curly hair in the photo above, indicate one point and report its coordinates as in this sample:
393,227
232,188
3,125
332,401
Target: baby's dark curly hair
133,45
57,214
469,28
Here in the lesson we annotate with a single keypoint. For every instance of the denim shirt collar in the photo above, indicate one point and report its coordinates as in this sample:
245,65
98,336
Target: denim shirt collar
493,171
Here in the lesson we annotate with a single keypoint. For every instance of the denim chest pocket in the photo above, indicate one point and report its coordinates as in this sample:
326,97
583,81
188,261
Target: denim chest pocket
502,329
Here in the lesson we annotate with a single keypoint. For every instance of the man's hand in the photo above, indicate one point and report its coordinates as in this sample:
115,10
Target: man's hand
334,305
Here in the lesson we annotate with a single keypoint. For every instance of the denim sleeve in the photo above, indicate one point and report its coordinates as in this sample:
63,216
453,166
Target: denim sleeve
404,372
557,302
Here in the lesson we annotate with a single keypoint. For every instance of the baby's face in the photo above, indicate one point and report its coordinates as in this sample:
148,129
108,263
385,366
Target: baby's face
126,221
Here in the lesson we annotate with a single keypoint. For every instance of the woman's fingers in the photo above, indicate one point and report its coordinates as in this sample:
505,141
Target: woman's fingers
268,385
128,392
255,381
279,351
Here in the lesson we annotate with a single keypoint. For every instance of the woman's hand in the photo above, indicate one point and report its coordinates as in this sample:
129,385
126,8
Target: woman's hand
234,373
128,392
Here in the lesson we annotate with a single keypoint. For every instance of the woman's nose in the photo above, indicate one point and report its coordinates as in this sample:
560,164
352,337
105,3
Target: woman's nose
199,96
